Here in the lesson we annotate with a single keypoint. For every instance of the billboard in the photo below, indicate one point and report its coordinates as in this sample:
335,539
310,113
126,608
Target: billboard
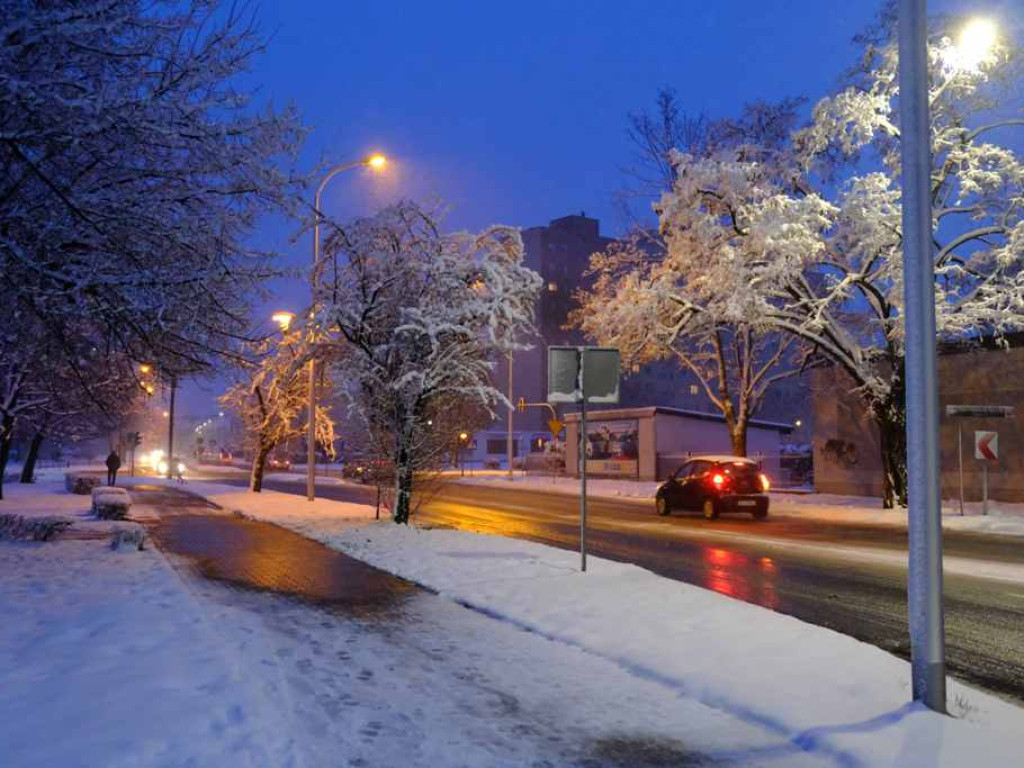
613,448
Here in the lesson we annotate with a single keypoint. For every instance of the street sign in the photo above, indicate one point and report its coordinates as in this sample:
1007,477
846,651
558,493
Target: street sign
981,411
601,374
555,426
986,445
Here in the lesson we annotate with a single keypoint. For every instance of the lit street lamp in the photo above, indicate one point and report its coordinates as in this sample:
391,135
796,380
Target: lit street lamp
377,162
283,319
924,582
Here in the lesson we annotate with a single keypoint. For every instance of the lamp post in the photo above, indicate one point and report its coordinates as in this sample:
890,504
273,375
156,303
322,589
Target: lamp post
377,162
924,582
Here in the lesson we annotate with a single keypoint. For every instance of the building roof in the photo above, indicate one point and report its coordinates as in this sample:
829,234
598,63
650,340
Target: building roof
649,411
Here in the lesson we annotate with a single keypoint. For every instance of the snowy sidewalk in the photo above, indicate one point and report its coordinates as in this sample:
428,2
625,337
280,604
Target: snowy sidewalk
819,692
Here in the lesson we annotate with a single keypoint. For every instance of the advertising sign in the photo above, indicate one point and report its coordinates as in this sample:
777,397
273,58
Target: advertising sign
613,448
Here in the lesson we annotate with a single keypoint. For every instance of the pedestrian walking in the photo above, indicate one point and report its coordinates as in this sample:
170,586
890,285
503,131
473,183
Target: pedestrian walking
113,464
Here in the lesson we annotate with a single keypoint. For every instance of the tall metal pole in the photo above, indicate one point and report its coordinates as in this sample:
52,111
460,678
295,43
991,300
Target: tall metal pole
311,389
170,429
960,461
508,441
583,465
924,586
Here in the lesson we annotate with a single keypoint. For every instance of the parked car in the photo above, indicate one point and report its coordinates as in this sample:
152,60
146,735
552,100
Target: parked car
713,485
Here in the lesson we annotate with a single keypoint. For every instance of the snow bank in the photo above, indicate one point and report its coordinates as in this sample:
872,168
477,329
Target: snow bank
824,691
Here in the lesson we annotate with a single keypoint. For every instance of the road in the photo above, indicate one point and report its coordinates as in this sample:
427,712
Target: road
848,577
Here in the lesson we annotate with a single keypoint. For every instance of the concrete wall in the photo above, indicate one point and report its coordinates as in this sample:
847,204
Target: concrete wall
846,450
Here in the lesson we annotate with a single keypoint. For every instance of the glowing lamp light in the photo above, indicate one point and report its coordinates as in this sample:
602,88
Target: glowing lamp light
765,484
377,161
144,368
974,45
283,319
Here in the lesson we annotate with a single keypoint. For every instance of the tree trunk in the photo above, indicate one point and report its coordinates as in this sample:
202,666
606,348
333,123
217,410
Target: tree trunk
259,461
891,419
403,487
738,436
6,436
28,471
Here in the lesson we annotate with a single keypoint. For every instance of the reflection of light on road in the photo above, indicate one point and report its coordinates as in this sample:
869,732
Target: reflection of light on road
735,575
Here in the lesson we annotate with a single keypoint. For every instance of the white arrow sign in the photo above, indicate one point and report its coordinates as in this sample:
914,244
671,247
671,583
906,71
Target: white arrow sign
986,445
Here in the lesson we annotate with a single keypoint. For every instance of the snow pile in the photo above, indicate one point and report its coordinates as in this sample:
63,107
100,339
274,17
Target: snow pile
18,527
826,692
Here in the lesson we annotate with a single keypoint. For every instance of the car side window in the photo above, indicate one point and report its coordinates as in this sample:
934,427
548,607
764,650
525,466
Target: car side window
684,471
699,468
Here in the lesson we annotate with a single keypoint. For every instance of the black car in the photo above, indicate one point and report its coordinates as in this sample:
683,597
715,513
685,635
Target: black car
715,484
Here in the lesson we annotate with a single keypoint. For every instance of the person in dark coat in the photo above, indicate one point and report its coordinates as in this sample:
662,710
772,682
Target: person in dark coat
113,464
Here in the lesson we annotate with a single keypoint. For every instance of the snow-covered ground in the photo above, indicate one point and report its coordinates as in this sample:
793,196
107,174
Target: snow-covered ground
826,693
1003,517
109,660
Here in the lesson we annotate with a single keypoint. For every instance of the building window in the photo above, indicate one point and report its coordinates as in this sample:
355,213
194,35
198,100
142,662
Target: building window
552,286
694,389
498,447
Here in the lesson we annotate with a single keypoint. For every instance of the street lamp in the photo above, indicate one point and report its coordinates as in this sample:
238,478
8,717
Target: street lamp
924,579
377,162
283,319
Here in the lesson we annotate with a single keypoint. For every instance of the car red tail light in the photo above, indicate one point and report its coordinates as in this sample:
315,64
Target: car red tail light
765,485
718,480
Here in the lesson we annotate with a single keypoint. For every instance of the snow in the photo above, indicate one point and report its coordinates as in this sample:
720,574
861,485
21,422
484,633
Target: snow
96,671
830,694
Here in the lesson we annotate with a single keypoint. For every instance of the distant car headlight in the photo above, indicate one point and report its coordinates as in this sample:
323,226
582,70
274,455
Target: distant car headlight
161,467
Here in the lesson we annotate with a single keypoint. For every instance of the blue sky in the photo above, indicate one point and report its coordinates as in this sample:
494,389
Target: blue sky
515,112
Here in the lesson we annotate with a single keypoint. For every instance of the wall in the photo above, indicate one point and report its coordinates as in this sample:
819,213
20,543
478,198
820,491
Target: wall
846,451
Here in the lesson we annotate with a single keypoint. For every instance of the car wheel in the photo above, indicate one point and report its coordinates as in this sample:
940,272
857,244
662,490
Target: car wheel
710,509
760,514
661,504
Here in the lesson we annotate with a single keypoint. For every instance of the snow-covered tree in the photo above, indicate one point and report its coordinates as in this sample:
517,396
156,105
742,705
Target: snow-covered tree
132,170
417,318
814,248
650,297
272,401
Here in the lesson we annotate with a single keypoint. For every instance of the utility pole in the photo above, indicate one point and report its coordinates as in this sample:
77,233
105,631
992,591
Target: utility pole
511,410
170,430
924,584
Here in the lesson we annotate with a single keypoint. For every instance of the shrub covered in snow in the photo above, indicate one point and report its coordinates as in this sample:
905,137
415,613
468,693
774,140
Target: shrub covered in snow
80,484
17,527
130,539
111,503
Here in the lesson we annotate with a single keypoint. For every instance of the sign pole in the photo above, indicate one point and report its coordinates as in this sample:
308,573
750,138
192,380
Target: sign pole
984,487
583,467
960,460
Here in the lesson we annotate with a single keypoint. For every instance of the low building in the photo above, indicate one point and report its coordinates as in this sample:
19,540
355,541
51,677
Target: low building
650,443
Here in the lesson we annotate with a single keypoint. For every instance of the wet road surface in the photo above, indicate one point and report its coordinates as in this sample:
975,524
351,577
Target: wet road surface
253,555
792,566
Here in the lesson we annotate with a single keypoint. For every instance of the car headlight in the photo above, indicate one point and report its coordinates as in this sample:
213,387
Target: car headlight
181,467
161,467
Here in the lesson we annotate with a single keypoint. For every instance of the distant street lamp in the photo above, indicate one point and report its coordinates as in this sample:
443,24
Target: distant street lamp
283,319
924,581
377,162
